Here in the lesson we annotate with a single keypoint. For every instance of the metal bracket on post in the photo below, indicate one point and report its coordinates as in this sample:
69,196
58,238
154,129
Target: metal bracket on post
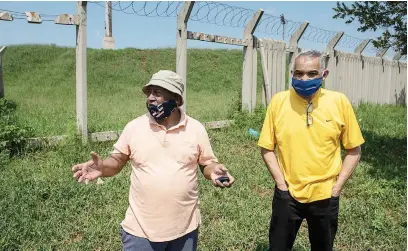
293,44
33,17
249,72
181,45
6,16
67,19
381,53
360,48
81,72
2,51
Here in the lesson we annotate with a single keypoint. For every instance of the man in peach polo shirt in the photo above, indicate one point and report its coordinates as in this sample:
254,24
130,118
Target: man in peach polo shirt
164,147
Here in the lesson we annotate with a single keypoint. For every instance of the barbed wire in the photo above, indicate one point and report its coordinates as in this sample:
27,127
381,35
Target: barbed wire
25,18
221,14
390,53
349,42
318,35
371,48
205,12
148,9
270,24
15,12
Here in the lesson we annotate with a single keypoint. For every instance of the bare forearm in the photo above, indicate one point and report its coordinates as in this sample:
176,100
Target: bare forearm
349,165
112,166
207,170
272,163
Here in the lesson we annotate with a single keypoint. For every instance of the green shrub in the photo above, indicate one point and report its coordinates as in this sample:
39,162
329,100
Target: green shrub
13,137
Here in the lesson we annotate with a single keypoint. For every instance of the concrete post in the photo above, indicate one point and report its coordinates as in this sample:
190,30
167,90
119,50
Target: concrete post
2,51
359,49
108,40
330,82
81,72
293,45
181,46
249,71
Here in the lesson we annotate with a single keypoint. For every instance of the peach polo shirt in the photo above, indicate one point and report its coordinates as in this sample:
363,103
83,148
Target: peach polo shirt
163,195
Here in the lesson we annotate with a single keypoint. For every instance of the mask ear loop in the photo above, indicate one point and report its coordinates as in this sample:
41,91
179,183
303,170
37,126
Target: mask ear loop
175,102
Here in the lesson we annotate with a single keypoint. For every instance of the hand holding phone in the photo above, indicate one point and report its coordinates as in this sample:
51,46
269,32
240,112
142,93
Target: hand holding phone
223,179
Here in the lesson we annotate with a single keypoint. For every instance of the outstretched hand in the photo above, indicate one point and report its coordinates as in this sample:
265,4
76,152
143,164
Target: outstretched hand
88,171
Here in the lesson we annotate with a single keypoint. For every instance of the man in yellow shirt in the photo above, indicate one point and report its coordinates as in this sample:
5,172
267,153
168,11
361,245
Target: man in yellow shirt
305,126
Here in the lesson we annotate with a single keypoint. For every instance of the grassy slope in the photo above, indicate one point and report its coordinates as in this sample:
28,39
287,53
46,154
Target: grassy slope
42,80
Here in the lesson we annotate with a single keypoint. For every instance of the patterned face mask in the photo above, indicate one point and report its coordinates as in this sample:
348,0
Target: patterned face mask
162,110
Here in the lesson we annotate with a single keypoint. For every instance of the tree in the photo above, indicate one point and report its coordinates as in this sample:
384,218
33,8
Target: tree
388,15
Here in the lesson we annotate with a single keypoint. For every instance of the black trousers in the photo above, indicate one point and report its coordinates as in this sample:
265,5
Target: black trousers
288,214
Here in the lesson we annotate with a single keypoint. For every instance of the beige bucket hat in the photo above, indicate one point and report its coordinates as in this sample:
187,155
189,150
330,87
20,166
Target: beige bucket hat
168,80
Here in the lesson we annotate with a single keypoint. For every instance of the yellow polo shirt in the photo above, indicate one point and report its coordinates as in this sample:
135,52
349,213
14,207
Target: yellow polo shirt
310,156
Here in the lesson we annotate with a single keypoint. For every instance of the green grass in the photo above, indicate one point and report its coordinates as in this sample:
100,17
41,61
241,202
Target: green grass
41,79
43,208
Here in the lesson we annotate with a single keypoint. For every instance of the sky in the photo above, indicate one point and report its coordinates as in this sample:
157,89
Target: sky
130,30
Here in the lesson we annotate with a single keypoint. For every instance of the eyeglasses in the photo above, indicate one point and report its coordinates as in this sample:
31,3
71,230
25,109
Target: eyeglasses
309,118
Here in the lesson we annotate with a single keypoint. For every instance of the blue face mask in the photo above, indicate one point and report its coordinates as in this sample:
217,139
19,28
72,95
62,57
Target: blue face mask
307,88
163,110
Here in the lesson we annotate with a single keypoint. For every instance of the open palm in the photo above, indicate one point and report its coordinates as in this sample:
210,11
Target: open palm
89,170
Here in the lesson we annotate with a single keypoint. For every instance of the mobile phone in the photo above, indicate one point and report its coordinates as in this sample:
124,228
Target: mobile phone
223,179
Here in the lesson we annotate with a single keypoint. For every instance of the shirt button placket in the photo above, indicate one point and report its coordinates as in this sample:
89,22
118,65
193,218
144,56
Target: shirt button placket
165,142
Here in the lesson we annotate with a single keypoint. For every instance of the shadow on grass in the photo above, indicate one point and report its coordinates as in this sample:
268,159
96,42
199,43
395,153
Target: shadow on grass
387,155
265,247
262,247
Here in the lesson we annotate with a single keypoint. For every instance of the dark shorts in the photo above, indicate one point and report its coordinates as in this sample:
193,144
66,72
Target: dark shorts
187,242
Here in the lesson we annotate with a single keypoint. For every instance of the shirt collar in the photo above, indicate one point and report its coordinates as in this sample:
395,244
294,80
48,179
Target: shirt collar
314,100
182,122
